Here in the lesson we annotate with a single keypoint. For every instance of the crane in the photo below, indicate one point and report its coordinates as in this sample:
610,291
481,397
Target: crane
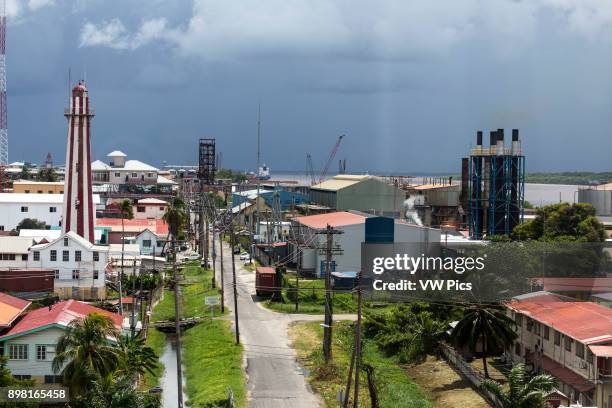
331,157
310,168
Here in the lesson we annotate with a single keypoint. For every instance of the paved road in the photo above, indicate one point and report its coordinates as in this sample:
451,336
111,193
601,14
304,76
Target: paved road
275,379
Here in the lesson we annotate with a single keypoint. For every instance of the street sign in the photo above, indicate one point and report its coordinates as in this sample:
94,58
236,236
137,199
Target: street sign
211,300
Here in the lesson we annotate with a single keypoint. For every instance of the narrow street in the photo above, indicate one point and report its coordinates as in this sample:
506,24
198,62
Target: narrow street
275,378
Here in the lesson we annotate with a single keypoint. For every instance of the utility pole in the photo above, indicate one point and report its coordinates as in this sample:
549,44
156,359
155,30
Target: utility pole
258,164
327,326
357,349
133,314
177,326
233,241
214,258
222,279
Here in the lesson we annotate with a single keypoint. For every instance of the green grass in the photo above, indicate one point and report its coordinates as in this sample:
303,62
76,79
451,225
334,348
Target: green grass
213,362
196,284
311,298
395,389
157,341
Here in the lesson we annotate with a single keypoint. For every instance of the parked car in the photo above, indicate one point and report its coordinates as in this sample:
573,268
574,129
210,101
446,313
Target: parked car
192,257
245,255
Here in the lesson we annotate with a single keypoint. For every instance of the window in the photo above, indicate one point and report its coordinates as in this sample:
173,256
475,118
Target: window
53,255
27,191
1,227
96,256
24,208
52,209
75,274
134,175
37,255
22,377
39,191
53,379
65,256
18,351
557,338
66,241
149,174
24,257
536,328
56,274
41,352
95,274
50,192
161,208
580,350
529,324
77,256
117,174
159,244
61,191
146,243
568,343
140,209
546,332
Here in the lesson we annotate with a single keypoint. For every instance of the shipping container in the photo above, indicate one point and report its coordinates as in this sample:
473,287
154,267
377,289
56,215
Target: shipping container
265,281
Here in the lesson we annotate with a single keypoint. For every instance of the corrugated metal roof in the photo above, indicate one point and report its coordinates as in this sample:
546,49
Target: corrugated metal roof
334,219
116,153
15,245
154,201
602,351
340,181
60,314
11,308
586,322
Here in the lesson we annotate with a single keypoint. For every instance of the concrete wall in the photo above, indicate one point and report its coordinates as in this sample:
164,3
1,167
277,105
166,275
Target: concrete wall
11,214
149,211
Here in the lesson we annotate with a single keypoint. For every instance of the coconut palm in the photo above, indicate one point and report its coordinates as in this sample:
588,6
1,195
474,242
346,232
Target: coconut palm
487,325
135,357
176,217
125,207
85,351
522,391
114,392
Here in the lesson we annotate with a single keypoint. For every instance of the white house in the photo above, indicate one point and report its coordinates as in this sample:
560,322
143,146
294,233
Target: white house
14,251
79,266
150,243
122,171
30,343
15,207
150,208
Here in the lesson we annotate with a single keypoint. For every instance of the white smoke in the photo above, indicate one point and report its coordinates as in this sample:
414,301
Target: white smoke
411,212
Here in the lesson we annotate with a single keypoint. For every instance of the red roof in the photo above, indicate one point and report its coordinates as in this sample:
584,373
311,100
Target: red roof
157,226
265,269
11,308
566,375
60,314
586,322
334,219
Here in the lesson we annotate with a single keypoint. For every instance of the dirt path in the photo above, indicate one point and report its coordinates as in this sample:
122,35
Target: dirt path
445,387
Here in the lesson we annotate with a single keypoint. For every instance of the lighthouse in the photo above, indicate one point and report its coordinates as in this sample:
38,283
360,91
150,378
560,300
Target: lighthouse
78,215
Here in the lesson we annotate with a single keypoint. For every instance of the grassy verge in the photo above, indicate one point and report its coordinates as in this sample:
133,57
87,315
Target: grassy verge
196,285
311,298
213,362
395,389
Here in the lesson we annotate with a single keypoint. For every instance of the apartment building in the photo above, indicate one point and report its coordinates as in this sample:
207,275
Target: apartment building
568,339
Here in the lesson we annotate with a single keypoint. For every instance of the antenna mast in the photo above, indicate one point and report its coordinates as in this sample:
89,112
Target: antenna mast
3,115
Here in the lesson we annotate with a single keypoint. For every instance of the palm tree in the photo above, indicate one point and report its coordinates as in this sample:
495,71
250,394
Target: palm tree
135,357
486,324
125,207
114,392
176,218
85,351
522,391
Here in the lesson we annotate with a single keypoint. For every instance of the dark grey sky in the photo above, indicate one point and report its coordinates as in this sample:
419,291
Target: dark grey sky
408,81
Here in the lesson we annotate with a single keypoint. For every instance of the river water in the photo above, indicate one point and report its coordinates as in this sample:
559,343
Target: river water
168,381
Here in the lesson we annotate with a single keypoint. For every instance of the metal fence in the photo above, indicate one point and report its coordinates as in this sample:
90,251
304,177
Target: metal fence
474,376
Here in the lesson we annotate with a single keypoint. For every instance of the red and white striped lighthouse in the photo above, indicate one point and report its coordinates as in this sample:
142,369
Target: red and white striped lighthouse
79,212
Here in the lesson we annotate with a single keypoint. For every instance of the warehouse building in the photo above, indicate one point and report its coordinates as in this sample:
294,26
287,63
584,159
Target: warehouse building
306,240
360,193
